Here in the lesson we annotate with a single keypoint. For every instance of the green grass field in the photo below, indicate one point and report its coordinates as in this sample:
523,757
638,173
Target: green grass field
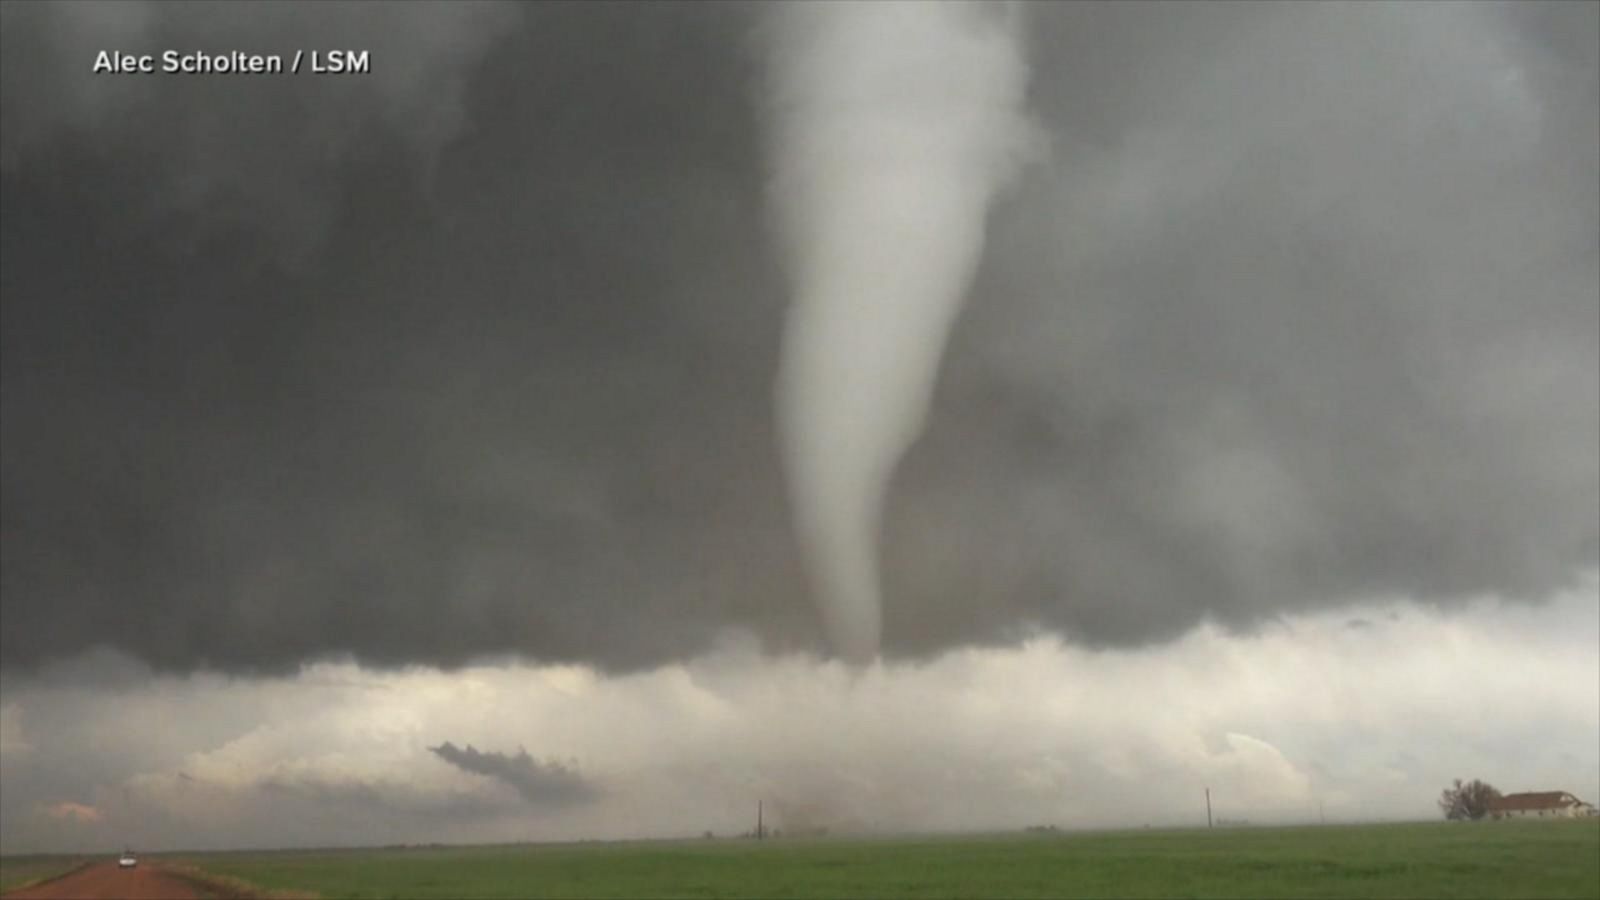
1483,859
17,871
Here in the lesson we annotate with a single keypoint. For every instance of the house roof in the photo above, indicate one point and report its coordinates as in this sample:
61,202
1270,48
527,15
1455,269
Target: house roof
1534,800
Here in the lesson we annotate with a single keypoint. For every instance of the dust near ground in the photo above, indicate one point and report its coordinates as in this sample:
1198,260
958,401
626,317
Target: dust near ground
106,880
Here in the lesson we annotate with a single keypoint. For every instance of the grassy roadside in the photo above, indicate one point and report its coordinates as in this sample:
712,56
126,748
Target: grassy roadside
18,872
231,886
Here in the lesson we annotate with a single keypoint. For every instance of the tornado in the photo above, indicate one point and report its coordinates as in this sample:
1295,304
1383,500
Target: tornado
891,128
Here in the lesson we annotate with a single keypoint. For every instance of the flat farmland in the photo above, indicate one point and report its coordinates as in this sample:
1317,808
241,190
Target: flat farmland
1483,859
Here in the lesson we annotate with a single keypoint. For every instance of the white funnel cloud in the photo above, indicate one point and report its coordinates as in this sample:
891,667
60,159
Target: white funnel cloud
893,126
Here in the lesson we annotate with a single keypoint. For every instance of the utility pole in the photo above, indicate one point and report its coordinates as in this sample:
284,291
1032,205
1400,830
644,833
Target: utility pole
761,828
1208,807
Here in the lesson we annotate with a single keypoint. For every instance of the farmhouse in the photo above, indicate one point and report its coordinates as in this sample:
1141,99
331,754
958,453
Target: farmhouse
1539,805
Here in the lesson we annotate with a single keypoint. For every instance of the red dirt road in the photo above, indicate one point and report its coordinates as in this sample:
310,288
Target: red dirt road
105,880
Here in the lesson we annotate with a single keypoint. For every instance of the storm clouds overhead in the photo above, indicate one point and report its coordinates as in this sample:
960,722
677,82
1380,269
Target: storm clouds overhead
475,357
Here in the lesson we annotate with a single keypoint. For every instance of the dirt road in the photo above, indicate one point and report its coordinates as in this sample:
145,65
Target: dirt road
105,880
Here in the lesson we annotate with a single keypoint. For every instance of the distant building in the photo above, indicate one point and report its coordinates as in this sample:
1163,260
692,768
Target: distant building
1539,805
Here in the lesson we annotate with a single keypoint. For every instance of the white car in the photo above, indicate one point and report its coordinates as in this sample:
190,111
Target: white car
128,860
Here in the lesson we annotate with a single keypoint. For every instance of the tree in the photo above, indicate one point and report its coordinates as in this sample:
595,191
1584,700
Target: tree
1467,801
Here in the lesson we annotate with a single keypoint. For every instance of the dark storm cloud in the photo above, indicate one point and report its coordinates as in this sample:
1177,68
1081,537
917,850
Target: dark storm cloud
519,408
474,356
1313,317
544,783
200,154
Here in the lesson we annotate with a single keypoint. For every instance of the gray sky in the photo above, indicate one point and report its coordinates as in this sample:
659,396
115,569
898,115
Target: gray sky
349,419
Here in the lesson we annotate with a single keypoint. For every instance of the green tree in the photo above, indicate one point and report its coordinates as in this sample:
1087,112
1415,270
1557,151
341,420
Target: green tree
1467,801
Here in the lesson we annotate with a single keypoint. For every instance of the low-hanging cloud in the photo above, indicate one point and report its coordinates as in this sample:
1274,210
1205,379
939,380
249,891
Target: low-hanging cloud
547,783
1303,718
1301,312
